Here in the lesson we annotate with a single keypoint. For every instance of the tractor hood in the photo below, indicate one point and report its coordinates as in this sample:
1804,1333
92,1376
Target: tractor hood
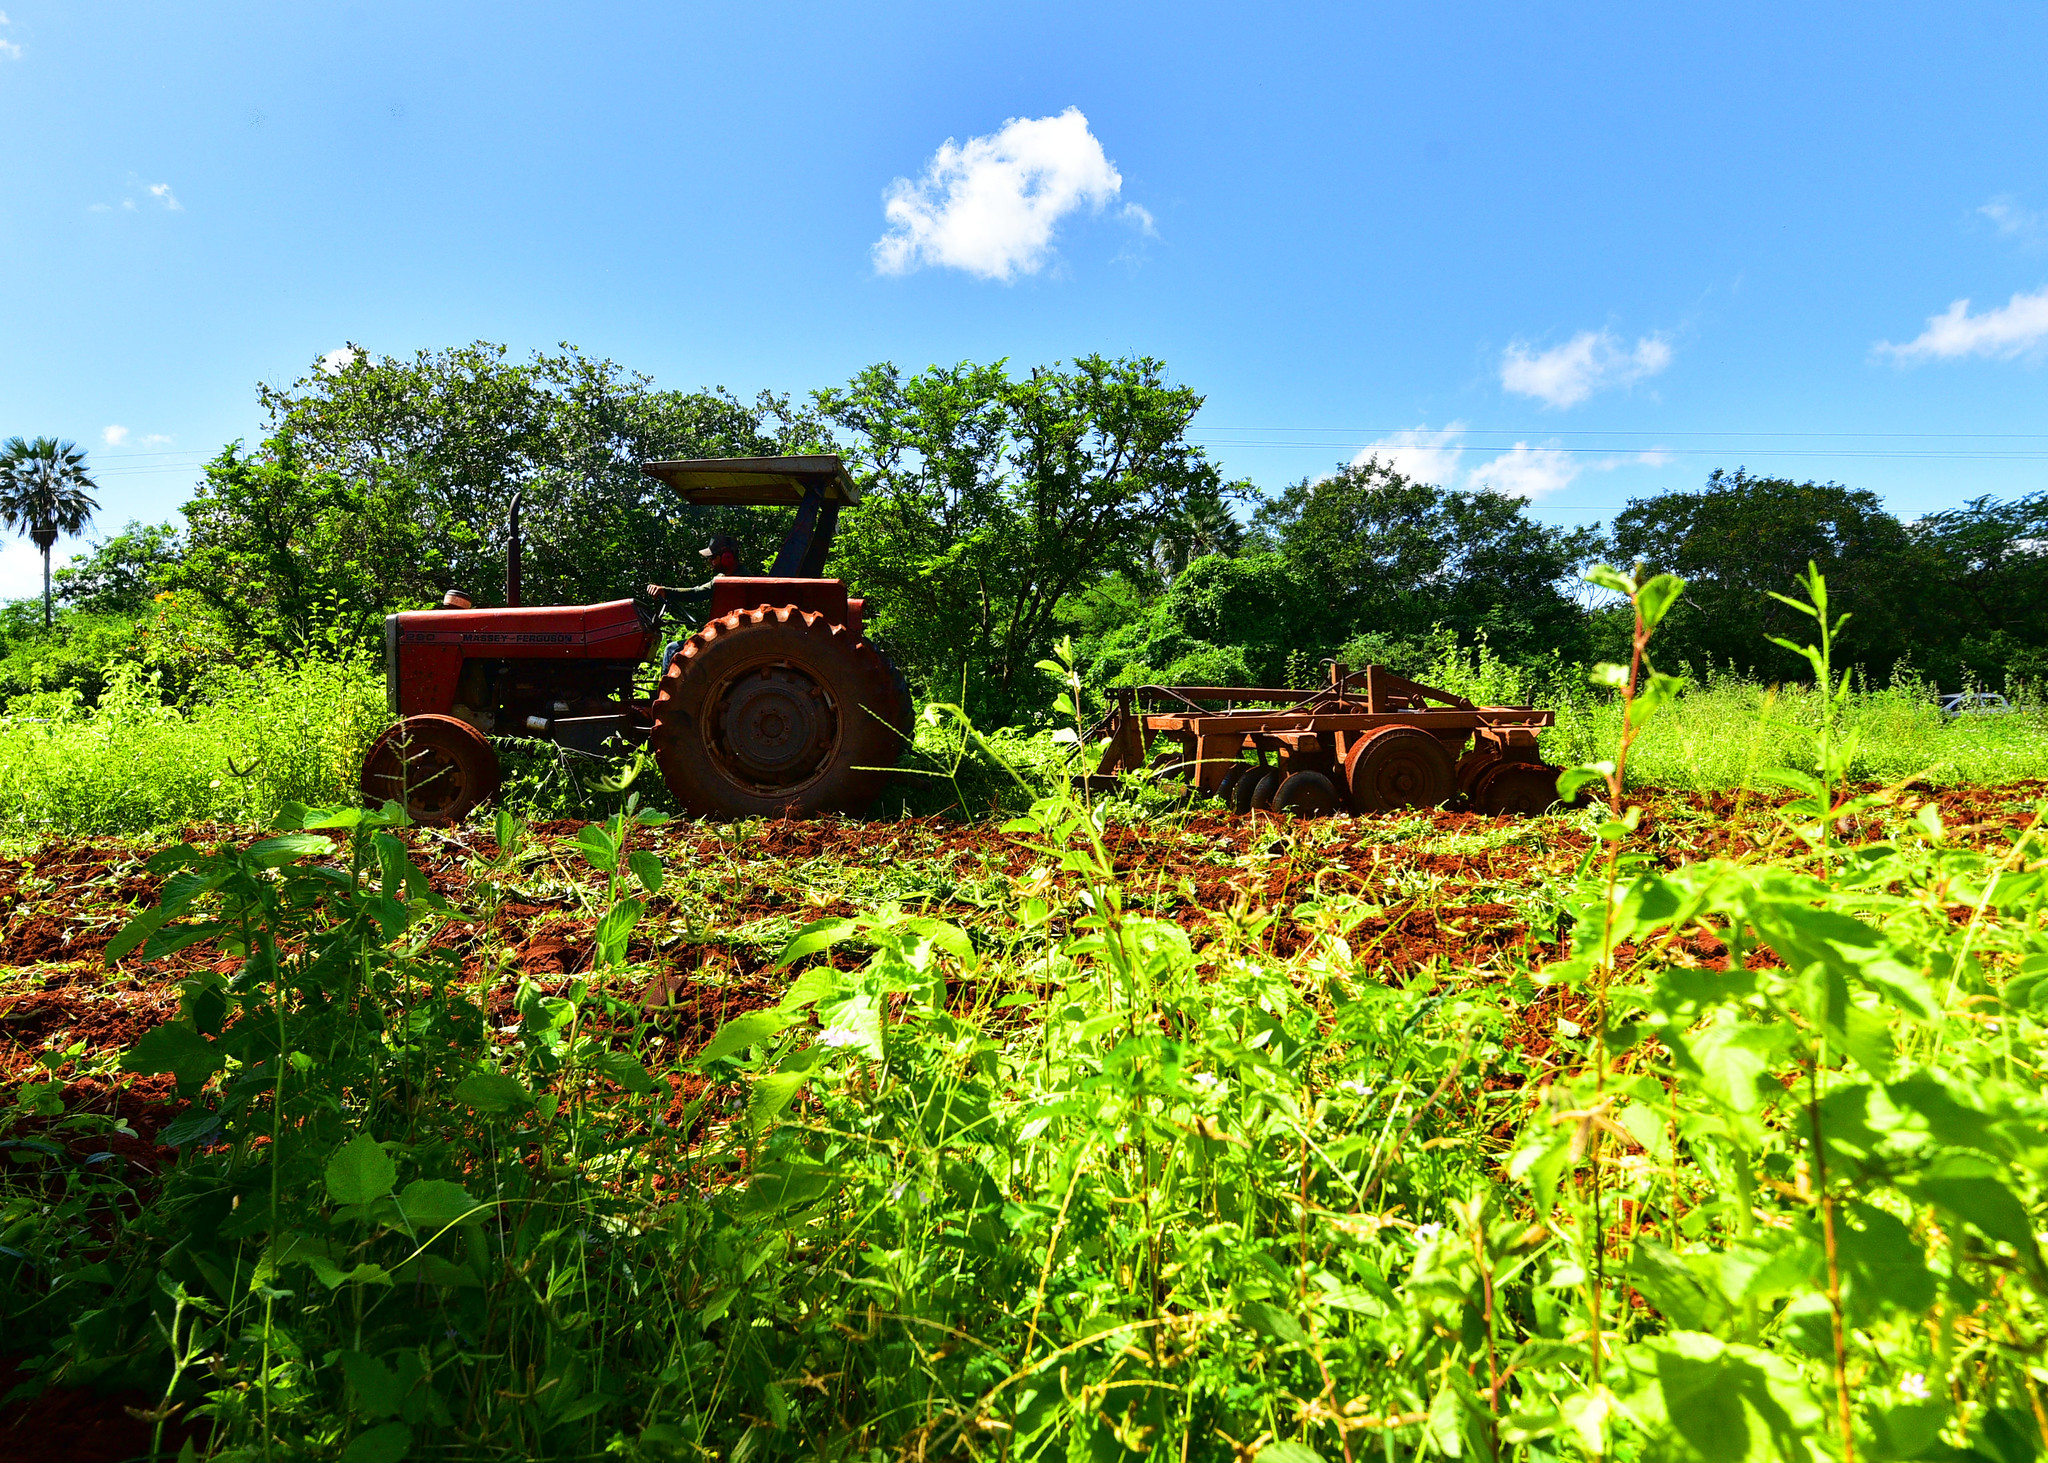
756,482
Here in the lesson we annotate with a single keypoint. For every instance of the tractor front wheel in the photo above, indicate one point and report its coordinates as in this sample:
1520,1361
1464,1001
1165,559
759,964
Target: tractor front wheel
437,767
778,712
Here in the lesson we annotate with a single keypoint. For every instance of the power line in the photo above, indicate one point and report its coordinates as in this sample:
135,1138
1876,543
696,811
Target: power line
1555,431
1984,455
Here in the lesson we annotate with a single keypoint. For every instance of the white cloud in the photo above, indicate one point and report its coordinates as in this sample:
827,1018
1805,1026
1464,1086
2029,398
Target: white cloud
156,439
1528,472
163,194
1523,471
1592,360
2013,221
10,50
2018,327
1418,453
114,436
21,566
338,360
129,204
990,207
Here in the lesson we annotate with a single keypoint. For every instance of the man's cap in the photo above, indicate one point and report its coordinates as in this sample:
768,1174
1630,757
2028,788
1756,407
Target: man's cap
721,543
455,599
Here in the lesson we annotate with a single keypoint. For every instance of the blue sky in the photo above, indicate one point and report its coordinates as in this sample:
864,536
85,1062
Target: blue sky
1578,252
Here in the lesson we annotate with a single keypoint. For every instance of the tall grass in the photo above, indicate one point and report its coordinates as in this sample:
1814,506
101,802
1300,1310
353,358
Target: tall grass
1727,733
251,738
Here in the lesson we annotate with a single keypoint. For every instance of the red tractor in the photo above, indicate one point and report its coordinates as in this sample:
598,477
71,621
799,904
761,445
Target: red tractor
775,706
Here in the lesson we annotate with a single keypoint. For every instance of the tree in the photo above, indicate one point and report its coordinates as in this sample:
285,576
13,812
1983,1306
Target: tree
1990,623
44,493
288,554
123,573
467,428
1376,553
1742,537
988,499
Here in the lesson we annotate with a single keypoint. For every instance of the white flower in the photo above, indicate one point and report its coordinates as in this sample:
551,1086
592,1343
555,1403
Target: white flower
1914,1385
1424,1233
1352,1084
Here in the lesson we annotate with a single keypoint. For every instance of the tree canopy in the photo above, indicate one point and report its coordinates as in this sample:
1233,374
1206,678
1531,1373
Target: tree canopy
988,499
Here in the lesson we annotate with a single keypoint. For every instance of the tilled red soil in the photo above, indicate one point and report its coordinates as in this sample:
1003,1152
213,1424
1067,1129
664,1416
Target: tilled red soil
1423,906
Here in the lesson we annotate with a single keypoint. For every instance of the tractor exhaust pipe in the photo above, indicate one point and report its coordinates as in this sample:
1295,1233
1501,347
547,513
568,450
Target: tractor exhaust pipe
513,556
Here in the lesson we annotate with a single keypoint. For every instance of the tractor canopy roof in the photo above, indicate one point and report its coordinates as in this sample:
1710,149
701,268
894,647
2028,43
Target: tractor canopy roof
756,482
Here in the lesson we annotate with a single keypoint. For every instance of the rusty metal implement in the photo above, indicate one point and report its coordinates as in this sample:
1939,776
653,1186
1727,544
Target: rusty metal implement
1365,741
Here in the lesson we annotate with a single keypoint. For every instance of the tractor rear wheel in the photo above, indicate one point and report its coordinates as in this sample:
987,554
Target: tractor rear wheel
778,712
1398,767
438,767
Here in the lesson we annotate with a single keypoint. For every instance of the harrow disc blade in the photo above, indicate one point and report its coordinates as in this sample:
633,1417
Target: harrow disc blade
1399,767
1527,788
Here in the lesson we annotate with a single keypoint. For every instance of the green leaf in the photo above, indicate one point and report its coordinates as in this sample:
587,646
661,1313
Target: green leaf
387,1443
176,1048
741,1032
615,929
625,1071
1981,1201
647,869
375,1385
272,853
1271,1320
1655,599
359,1171
434,1204
493,1092
1288,1453
1882,1266
853,1021
768,1097
818,935
1573,778
1709,1401
776,1187
1608,577
334,1277
600,850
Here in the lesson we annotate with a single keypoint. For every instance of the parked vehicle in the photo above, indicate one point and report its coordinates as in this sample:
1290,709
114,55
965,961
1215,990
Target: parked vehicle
1973,703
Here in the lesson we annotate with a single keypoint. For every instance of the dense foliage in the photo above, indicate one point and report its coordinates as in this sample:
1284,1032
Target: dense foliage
1060,1181
1001,510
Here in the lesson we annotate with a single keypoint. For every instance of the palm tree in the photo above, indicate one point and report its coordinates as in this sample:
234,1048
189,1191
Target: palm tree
43,494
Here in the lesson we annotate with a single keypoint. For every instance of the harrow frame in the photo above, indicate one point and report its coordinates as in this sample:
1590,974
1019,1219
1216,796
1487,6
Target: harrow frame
1374,739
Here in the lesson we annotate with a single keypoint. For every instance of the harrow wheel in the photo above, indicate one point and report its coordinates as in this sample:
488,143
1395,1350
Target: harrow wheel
1265,790
778,712
437,767
1227,788
1307,795
1247,788
1527,788
1399,767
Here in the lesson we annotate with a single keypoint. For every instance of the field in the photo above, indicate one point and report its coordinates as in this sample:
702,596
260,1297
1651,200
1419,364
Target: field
932,1138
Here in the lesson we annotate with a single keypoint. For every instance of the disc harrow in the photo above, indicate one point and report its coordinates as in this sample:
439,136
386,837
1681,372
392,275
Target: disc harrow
1366,741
